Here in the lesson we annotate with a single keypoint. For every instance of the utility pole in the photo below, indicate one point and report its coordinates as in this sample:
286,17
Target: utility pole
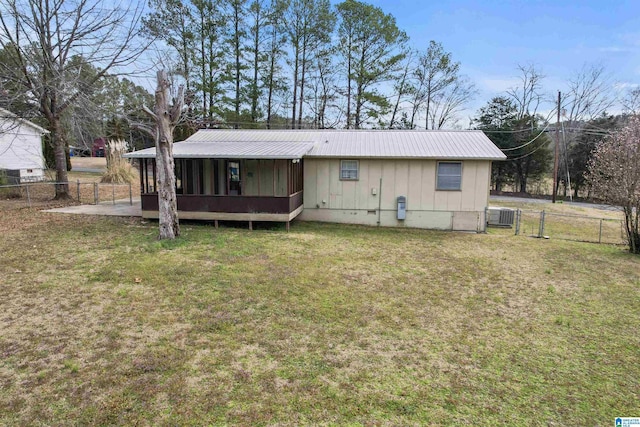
555,161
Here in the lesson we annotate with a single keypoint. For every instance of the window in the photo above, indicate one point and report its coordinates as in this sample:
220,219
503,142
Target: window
349,170
449,176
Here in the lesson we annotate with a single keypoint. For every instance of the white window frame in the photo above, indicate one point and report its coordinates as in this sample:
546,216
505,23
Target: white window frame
348,170
438,187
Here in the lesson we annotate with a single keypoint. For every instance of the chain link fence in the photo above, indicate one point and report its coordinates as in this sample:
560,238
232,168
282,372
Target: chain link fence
564,226
42,193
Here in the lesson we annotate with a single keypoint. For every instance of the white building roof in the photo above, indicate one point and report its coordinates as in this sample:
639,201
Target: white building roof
8,120
291,144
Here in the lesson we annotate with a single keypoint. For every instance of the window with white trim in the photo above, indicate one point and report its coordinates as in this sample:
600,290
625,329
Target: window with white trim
449,176
349,170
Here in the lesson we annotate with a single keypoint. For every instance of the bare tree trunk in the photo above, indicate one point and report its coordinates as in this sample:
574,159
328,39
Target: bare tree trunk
237,64
358,112
360,93
256,64
295,90
203,67
270,96
401,92
57,138
426,124
349,87
166,119
303,70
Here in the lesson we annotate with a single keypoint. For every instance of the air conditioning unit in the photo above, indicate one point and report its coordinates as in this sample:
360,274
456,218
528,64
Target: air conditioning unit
500,217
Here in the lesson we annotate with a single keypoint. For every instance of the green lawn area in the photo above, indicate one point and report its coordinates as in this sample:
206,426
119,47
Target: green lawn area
100,324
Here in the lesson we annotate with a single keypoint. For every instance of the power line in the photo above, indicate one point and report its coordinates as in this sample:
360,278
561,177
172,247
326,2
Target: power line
524,145
528,154
507,131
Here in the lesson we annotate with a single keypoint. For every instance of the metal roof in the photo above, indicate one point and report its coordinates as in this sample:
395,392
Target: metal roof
232,150
334,143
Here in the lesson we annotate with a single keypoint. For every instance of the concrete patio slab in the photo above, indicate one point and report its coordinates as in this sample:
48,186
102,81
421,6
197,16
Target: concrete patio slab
120,208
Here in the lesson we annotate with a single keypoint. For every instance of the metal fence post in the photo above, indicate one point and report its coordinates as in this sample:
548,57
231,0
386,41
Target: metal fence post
96,197
130,195
518,218
600,234
78,191
28,195
113,193
541,229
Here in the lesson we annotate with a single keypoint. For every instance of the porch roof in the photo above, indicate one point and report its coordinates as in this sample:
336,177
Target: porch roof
231,150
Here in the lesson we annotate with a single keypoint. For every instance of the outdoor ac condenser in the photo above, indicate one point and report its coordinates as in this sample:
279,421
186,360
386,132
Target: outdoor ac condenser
500,217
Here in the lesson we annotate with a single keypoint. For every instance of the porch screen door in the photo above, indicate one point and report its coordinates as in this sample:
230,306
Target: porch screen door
233,176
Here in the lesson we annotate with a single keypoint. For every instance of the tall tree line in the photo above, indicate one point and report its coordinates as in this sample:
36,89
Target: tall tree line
305,63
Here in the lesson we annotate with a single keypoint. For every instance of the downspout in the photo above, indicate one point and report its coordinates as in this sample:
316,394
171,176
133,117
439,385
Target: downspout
379,201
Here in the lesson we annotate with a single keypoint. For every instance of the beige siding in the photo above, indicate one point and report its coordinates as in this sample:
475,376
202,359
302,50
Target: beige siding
327,198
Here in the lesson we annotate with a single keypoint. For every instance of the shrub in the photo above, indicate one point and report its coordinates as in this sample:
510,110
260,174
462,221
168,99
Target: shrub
119,171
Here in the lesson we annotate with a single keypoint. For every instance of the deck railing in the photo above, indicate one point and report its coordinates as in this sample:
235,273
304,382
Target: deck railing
229,204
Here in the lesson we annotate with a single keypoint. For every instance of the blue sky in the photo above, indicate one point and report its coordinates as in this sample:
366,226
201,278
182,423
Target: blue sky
490,38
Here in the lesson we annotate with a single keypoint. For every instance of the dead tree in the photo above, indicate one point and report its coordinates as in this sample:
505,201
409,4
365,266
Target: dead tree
165,119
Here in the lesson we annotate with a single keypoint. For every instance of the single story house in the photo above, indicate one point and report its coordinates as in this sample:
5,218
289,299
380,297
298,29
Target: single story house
21,155
422,179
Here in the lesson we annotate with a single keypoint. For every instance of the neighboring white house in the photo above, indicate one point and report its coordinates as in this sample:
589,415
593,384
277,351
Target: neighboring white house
21,154
401,178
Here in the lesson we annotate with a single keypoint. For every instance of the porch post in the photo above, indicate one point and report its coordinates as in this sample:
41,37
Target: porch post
143,164
153,166
259,190
289,173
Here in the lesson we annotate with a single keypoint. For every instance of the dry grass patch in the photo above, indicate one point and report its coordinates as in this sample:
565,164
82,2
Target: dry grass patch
327,324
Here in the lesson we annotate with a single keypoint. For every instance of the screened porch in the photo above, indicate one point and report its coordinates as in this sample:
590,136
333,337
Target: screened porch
229,189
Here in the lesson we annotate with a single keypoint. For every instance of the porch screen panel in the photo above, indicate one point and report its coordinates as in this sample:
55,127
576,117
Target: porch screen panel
266,177
208,177
179,181
149,175
281,177
296,177
250,184
192,176
142,178
189,184
199,176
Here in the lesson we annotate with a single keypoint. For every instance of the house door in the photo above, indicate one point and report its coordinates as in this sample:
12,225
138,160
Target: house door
233,178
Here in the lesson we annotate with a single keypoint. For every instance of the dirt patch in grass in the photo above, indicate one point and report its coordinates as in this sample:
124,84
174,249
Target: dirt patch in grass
102,324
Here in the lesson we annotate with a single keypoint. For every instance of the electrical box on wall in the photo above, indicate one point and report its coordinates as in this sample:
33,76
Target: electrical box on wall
402,207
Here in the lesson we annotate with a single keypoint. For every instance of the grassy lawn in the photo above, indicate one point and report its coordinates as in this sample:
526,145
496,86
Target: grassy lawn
101,324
